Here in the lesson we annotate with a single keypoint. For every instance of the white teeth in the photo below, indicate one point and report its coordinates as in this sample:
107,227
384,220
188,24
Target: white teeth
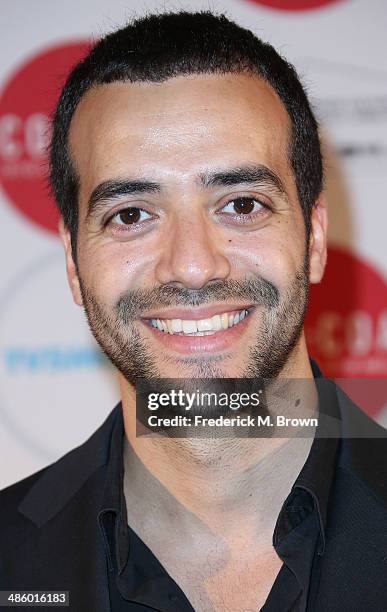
216,322
204,325
201,327
224,320
177,325
189,327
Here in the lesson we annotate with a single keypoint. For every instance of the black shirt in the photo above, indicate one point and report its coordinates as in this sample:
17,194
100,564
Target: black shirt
138,582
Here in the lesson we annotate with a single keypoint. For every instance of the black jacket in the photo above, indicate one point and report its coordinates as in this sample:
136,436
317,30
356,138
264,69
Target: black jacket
49,538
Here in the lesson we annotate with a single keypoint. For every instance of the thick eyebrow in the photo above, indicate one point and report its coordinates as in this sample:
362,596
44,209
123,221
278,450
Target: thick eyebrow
252,174
115,189
244,174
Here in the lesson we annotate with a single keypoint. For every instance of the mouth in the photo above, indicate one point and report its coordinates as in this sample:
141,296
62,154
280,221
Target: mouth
189,335
199,327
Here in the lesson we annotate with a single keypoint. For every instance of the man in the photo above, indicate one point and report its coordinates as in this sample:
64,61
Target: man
186,165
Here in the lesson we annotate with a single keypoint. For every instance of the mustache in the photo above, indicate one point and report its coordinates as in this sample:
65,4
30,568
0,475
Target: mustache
257,290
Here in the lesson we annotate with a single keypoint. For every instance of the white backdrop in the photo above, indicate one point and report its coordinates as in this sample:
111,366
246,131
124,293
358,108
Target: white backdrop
55,388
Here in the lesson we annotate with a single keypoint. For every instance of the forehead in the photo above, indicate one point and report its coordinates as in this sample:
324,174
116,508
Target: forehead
180,126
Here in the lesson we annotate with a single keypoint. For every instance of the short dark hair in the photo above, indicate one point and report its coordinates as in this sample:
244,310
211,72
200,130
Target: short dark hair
160,46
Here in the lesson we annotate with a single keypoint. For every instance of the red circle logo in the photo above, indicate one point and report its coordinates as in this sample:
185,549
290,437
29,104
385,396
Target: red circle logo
294,5
26,103
346,325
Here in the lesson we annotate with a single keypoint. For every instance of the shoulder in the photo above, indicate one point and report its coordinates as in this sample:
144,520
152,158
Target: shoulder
13,524
11,496
363,442
363,447
28,504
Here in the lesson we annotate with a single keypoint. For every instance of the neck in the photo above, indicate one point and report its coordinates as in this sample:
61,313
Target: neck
213,484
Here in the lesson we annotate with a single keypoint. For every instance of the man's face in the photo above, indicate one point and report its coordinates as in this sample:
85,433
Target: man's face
189,222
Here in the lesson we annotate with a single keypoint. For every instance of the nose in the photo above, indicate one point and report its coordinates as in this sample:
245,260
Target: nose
193,254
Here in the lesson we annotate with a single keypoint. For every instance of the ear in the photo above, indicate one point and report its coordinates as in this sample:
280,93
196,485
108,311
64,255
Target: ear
318,240
72,274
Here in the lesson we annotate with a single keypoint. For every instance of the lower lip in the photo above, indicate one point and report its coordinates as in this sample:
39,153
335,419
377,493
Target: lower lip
219,341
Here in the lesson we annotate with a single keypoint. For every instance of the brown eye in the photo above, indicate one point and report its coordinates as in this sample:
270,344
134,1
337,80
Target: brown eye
243,206
130,216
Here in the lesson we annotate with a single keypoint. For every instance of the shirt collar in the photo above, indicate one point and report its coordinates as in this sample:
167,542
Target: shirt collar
316,476
314,480
112,516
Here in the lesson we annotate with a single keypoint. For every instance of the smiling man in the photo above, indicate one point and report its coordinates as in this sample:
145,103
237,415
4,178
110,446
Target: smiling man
193,226
186,164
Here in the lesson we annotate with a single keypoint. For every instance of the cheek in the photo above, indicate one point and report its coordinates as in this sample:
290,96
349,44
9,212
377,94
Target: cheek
275,257
110,269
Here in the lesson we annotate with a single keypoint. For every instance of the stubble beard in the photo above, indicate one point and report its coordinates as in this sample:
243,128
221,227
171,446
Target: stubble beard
278,333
